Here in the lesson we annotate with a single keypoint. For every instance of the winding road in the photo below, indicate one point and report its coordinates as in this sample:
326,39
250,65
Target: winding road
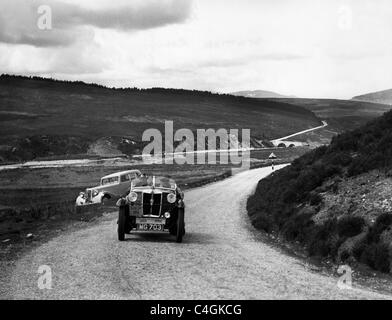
324,124
221,257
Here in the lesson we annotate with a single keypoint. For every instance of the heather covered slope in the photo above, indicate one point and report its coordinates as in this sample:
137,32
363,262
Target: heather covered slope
74,115
337,200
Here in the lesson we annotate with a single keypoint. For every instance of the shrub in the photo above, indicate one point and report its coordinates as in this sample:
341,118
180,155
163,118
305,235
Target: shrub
377,257
320,242
350,226
382,223
382,259
297,227
368,255
344,255
315,199
263,222
340,159
358,249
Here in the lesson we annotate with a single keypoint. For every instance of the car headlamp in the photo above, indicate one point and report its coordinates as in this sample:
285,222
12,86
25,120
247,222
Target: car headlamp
171,197
132,196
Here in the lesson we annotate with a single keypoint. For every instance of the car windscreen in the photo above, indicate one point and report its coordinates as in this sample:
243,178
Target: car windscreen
157,182
142,182
162,182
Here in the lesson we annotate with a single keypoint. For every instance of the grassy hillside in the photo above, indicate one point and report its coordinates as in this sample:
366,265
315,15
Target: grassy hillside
336,200
384,96
60,117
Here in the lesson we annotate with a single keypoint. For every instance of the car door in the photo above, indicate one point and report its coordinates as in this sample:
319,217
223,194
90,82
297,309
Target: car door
125,183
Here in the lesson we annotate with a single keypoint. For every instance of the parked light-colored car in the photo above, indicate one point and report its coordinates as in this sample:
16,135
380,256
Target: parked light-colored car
112,186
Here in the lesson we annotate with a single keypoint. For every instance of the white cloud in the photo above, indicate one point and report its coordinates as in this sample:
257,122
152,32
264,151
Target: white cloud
290,46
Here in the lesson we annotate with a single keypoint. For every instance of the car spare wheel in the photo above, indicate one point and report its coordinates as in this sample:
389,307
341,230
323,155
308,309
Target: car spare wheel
180,225
121,222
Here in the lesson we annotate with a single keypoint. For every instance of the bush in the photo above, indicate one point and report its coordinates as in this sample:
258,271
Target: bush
382,223
382,258
373,252
315,199
350,226
377,257
344,255
320,240
297,227
264,223
358,249
340,159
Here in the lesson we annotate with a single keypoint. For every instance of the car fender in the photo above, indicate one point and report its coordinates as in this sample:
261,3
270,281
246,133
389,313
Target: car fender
80,201
181,204
105,194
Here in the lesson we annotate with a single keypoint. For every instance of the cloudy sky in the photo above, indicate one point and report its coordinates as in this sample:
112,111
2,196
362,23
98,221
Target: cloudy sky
307,48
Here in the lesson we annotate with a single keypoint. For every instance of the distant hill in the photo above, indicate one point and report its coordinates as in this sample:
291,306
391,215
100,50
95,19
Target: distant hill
384,96
41,117
341,115
335,200
259,94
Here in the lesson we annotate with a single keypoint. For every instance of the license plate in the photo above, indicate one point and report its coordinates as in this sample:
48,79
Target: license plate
150,220
150,227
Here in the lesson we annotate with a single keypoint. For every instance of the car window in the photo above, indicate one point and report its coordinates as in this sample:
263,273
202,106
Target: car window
125,178
134,175
112,180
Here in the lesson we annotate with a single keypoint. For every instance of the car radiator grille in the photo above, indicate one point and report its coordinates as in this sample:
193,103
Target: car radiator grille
155,209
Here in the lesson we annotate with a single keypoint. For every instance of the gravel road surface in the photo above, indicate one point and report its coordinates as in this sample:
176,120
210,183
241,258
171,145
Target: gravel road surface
221,258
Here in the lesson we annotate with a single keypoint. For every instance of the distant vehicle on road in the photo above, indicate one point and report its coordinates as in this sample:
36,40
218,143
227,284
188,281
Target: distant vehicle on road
153,204
112,186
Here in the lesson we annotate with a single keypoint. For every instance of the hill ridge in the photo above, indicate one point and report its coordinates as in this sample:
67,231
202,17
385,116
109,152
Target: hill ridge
383,96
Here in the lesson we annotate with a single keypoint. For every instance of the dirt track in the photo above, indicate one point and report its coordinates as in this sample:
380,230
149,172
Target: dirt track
221,258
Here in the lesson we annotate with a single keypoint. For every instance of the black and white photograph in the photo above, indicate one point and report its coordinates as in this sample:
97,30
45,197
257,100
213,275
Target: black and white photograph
212,152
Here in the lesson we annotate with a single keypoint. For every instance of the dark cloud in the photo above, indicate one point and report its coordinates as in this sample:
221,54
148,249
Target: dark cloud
151,14
18,19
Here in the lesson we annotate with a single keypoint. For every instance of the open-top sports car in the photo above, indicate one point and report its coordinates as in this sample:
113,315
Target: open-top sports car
153,204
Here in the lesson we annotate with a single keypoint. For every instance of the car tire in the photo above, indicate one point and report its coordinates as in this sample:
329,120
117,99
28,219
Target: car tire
180,225
105,199
122,215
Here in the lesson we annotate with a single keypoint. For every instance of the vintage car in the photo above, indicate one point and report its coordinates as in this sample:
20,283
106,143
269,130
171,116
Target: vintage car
112,186
153,204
